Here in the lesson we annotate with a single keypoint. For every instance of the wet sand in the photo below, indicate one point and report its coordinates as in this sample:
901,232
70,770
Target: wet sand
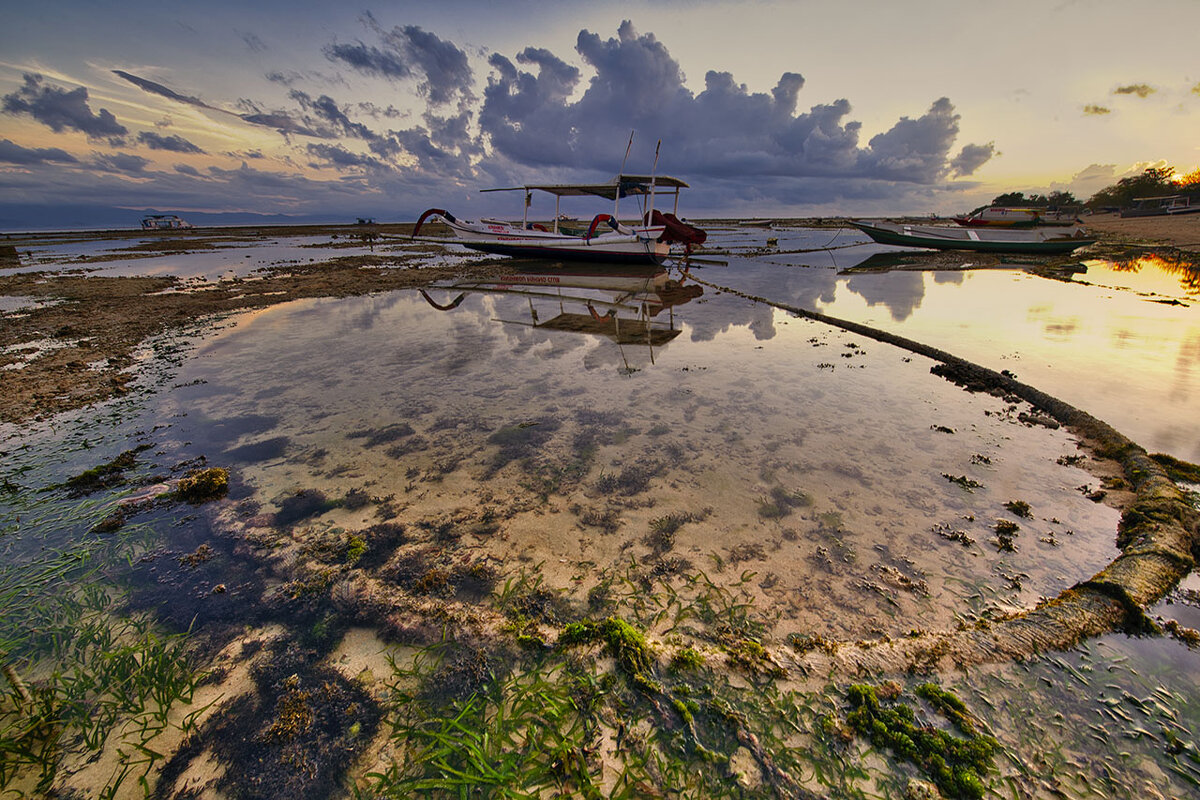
1181,231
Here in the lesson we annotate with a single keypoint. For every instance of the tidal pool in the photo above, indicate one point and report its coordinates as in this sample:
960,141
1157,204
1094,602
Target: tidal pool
479,466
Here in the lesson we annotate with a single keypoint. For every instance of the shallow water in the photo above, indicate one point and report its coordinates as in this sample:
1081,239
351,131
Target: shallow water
846,490
743,402
1120,341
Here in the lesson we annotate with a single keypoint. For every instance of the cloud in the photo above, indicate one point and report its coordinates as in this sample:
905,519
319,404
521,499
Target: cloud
174,143
119,162
1095,110
326,109
159,89
411,52
338,156
12,153
1196,89
972,157
529,116
279,120
60,109
187,169
256,44
1142,90
914,150
282,122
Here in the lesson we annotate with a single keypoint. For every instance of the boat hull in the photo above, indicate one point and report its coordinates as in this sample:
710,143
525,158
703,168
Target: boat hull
640,254
1018,242
625,246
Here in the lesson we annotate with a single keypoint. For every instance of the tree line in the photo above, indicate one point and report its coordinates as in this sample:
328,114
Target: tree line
1154,182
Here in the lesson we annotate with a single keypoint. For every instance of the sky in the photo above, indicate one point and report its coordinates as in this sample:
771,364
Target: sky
324,110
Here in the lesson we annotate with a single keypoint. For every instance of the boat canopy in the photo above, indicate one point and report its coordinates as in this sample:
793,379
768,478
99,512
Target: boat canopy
626,185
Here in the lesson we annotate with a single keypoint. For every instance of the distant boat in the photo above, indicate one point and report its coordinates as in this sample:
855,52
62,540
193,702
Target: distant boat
941,237
1160,206
163,222
1008,217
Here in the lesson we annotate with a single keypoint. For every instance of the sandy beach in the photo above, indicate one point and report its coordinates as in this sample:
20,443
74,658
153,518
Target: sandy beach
1181,231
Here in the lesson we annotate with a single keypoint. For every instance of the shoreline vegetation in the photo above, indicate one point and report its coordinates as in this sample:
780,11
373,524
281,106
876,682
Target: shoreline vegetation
547,695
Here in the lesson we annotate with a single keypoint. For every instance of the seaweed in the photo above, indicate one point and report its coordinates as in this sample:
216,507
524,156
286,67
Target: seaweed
956,765
1178,470
104,476
200,486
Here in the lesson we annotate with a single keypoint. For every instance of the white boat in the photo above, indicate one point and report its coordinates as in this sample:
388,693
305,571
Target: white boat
605,239
163,222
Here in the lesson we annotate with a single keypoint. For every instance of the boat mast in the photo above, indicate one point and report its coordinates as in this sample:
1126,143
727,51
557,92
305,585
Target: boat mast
617,199
653,173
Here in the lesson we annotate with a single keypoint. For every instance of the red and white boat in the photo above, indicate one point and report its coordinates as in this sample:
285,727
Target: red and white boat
605,239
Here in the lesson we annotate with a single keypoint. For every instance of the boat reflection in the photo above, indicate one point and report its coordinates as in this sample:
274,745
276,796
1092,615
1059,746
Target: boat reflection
631,306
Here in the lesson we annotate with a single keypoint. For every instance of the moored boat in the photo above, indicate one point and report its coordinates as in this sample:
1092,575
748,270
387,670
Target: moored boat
1008,217
941,237
605,239
1160,206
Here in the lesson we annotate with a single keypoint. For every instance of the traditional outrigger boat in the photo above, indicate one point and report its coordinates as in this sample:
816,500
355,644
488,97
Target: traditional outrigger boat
605,239
1005,217
1032,241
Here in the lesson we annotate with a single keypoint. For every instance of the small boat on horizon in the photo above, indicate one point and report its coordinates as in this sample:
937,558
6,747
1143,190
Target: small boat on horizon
984,240
163,222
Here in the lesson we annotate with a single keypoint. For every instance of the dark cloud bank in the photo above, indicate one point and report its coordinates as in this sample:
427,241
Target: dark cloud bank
536,114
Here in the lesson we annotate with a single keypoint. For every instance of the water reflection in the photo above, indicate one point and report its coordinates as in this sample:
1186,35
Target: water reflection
625,306
1117,340
1158,273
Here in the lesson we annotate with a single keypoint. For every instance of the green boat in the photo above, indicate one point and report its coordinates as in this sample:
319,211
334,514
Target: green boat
1057,241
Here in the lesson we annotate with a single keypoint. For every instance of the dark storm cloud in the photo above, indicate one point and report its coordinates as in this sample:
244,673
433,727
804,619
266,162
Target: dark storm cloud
60,109
174,143
725,130
187,169
12,153
411,52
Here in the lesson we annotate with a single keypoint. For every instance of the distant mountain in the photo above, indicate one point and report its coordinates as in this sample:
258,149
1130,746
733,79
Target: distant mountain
16,217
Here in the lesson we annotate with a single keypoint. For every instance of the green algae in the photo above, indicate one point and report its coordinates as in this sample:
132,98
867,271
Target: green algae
104,476
1178,470
625,643
956,764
